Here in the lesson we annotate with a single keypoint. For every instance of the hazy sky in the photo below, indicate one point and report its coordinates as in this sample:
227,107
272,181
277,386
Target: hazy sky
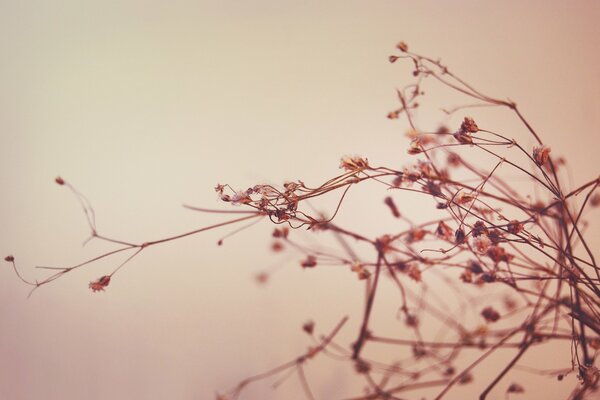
146,105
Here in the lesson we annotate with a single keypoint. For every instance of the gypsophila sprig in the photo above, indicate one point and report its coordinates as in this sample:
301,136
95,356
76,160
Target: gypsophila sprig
517,263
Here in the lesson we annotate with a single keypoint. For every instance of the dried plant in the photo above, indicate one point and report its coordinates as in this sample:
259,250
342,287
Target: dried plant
528,249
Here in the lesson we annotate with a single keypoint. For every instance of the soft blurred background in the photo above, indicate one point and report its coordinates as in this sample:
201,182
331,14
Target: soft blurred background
145,105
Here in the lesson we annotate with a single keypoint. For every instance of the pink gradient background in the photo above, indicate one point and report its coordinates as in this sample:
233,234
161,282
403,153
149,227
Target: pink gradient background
146,105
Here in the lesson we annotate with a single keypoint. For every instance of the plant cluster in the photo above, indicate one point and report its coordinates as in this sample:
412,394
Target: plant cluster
530,247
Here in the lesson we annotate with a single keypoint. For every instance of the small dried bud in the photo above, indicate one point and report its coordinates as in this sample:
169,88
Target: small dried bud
363,274
308,327
490,315
454,160
393,59
100,284
443,231
276,247
465,379
432,188
415,235
262,278
390,203
59,180
469,125
419,351
475,267
515,388
541,154
514,227
383,244
9,258
219,188
479,228
402,46
411,320
459,236
281,232
464,198
495,236
362,367
415,273
309,262
463,137
415,147
482,244
450,371
466,276
510,304
595,200
487,278
498,254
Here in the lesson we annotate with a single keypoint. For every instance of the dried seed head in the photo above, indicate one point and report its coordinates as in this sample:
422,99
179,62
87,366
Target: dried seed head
393,59
9,258
59,180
